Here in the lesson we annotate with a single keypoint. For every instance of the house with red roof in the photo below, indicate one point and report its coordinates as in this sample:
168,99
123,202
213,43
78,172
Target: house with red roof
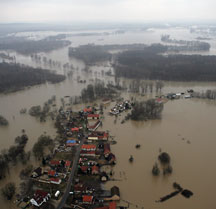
84,169
106,150
93,116
79,188
112,205
95,170
87,110
87,199
52,173
85,153
55,180
89,147
95,126
39,198
76,129
98,135
159,100
67,163
54,162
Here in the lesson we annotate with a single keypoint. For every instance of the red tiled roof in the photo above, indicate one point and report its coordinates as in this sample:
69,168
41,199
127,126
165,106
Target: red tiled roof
93,115
87,198
95,168
55,162
54,179
88,147
51,173
84,168
87,109
75,129
99,134
39,195
112,205
67,163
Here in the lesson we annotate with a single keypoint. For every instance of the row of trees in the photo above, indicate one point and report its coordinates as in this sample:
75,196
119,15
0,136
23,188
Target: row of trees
27,46
143,87
14,77
209,94
99,90
183,45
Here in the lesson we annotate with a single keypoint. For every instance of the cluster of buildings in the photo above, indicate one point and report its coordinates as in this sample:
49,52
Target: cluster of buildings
185,95
78,129
120,107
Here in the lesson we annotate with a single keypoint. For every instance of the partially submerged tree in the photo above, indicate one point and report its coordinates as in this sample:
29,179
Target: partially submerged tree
3,121
167,170
155,170
9,190
164,158
146,110
38,148
3,165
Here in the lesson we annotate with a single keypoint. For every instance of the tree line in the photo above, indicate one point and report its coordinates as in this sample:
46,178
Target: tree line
208,94
149,64
27,46
14,77
99,90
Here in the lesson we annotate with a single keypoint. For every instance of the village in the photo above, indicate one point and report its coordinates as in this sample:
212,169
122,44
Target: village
73,176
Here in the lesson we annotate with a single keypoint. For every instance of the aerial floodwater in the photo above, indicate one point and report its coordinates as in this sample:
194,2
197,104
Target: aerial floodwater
186,129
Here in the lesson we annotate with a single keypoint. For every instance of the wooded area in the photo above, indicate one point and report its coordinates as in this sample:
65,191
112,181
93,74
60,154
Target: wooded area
14,77
27,46
149,64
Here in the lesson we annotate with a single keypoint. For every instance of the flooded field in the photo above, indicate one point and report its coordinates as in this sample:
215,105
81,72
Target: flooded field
186,131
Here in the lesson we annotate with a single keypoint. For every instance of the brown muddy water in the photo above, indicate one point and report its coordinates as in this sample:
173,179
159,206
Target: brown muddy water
183,121
186,131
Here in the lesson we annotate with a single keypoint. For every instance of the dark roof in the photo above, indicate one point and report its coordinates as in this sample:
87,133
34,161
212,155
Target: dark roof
39,195
38,171
115,191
